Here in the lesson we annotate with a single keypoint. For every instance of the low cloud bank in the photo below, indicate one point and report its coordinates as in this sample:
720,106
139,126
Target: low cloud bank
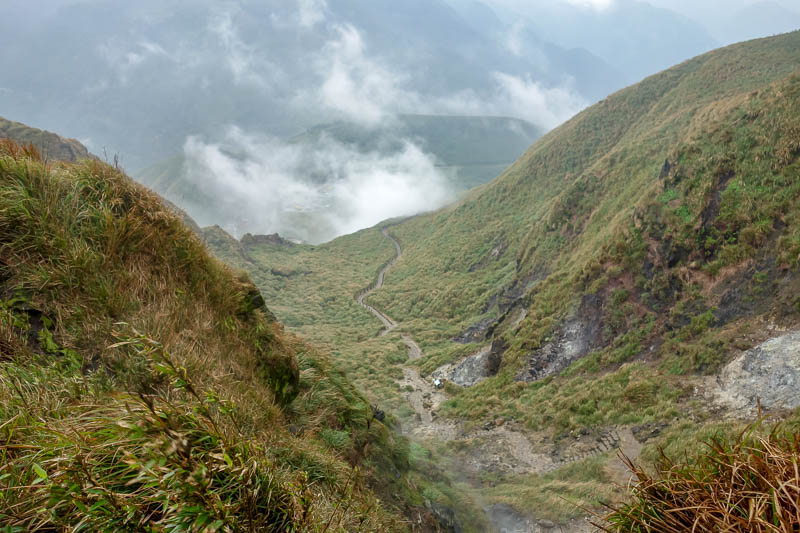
262,185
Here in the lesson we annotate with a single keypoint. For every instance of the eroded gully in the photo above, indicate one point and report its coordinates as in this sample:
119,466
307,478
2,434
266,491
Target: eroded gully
497,448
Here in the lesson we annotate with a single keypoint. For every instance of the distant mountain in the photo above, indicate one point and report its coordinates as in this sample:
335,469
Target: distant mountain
741,19
634,37
49,145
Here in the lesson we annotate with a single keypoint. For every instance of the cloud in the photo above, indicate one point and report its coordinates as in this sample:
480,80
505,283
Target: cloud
354,86
513,41
599,5
523,5
362,89
513,96
311,12
124,58
528,99
248,65
263,185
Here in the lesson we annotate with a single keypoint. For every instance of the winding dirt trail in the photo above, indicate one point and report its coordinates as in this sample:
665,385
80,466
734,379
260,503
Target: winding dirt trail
497,448
414,351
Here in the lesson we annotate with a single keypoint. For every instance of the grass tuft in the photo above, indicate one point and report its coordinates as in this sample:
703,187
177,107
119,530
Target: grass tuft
750,483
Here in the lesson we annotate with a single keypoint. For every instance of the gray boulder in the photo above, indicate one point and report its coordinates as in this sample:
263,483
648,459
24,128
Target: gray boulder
770,371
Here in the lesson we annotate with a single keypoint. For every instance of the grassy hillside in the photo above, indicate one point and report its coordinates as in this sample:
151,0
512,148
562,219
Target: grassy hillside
50,145
626,257
145,386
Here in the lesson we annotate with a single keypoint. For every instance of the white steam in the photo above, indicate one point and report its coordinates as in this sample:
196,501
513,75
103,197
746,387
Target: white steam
263,185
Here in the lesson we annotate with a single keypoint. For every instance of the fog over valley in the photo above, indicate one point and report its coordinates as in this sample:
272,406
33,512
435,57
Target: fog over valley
212,93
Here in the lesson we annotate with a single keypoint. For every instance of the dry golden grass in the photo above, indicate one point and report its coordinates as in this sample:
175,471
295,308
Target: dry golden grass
142,386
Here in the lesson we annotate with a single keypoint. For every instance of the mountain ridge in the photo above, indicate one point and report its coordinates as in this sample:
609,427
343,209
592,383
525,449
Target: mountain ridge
49,144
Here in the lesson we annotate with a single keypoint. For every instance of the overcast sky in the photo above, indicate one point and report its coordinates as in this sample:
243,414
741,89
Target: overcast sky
687,7
707,12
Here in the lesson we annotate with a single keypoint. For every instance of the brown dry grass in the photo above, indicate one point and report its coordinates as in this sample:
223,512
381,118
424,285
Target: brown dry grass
750,484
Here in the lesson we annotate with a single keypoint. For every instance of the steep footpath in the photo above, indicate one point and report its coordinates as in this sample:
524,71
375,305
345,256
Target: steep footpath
651,229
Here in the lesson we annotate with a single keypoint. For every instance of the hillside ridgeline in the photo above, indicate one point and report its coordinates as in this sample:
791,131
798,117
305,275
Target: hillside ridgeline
49,145
145,385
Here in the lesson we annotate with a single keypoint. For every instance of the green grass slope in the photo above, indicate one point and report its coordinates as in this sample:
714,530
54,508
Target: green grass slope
663,220
653,191
145,386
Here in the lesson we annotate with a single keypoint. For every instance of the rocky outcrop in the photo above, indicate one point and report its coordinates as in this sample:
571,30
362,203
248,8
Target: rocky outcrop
251,300
445,517
476,367
577,337
769,372
476,332
506,519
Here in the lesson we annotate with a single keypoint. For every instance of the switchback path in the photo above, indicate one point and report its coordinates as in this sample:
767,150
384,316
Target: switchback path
414,351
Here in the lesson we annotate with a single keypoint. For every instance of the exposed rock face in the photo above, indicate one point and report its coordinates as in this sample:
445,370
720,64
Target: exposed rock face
507,520
475,333
445,517
770,371
476,367
252,300
577,337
